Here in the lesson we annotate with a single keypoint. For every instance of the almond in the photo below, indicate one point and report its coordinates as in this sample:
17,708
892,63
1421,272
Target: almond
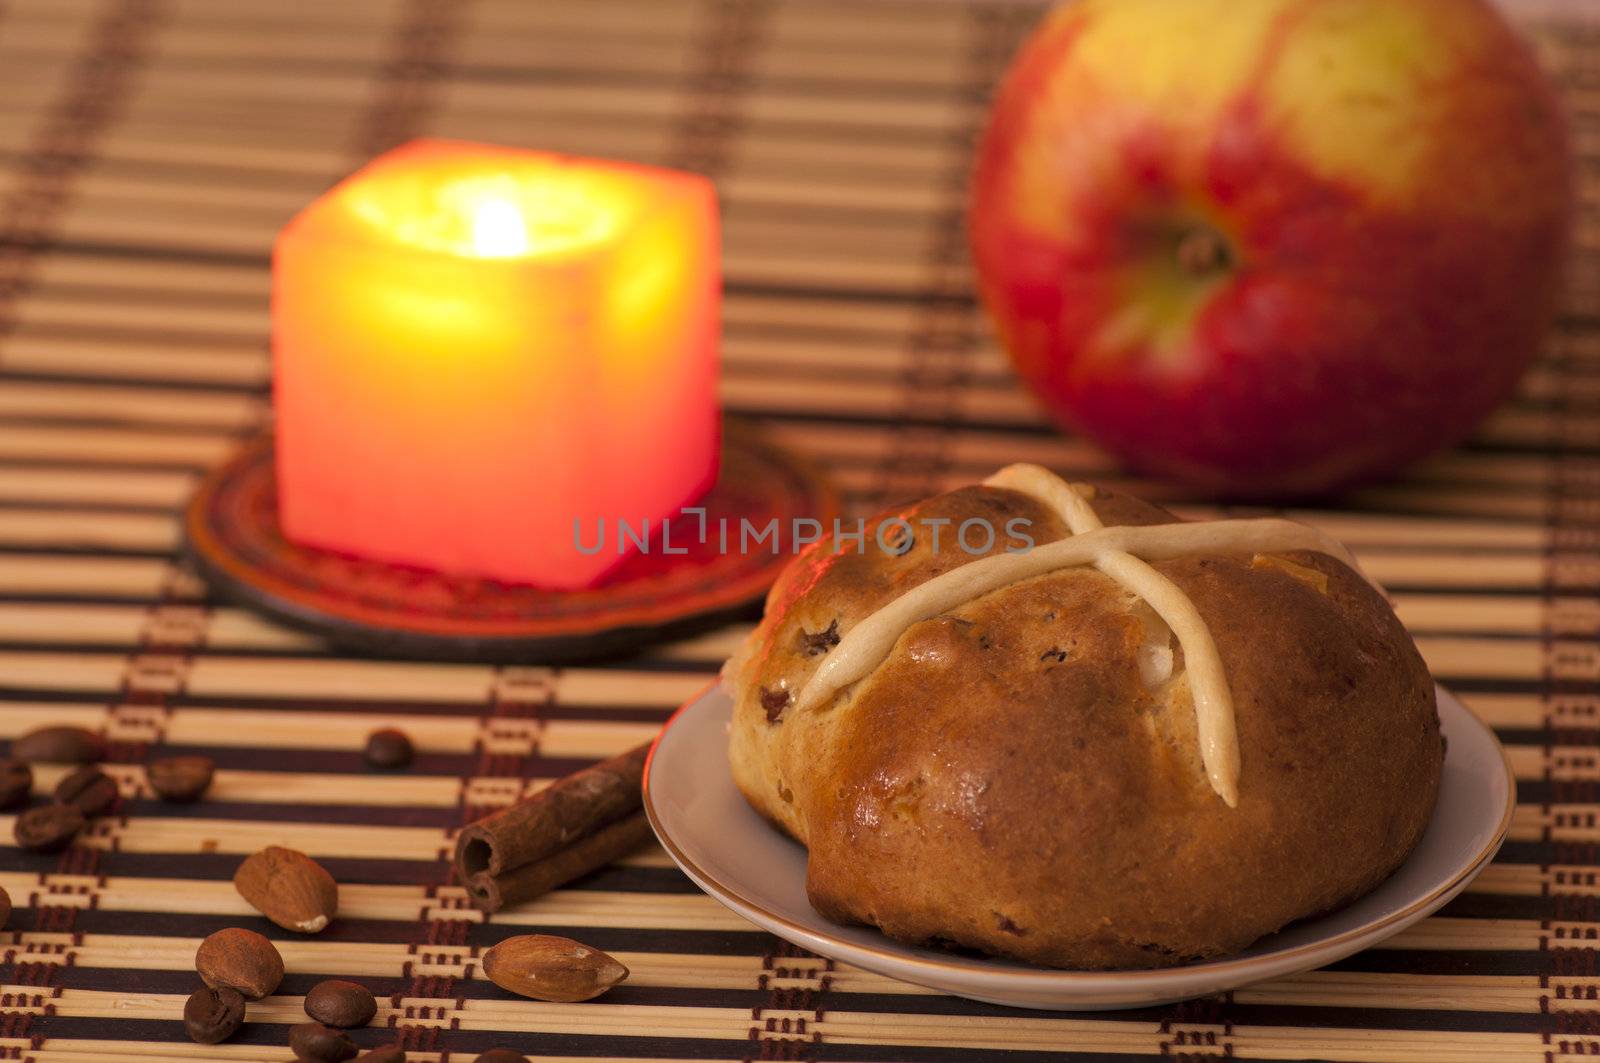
59,745
551,968
240,959
289,888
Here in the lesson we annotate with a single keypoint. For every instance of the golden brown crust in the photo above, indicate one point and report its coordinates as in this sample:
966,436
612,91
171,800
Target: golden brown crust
1008,779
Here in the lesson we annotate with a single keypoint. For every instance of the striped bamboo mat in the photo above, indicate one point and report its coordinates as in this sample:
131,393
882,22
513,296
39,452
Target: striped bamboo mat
149,149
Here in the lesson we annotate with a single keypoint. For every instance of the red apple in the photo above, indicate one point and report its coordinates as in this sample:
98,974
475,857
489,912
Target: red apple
1272,247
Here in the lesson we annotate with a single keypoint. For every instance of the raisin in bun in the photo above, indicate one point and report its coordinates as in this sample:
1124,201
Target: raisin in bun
1131,746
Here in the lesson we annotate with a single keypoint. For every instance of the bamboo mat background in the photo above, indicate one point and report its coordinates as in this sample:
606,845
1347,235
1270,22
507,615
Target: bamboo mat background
149,149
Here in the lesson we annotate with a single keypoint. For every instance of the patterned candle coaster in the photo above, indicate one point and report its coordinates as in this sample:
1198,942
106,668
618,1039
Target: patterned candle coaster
717,569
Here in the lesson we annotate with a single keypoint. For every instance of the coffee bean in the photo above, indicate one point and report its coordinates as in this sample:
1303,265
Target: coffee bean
385,1054
60,745
389,748
180,779
48,828
312,1040
212,1015
340,1003
239,959
501,1055
5,908
91,790
16,783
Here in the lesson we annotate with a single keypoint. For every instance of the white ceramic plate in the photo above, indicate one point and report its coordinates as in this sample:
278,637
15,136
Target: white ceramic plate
732,854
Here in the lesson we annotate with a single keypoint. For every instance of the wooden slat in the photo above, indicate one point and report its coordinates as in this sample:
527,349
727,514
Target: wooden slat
136,356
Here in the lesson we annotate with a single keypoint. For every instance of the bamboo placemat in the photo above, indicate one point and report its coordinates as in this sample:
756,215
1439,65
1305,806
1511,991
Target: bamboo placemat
148,151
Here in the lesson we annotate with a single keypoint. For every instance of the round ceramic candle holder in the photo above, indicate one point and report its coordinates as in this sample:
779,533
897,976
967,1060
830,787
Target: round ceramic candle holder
233,538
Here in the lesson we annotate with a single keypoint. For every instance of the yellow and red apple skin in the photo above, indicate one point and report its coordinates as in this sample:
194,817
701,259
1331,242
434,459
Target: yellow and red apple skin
1390,183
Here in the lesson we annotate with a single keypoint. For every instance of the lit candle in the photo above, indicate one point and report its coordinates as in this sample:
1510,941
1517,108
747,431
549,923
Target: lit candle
478,351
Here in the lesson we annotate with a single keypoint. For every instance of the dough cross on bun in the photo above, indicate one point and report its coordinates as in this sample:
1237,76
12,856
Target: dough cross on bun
1121,554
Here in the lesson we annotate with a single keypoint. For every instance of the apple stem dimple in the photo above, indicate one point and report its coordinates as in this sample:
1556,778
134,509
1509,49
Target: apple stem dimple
1203,251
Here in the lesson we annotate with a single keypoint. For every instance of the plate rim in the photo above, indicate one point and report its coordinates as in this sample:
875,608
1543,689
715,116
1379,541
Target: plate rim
1132,979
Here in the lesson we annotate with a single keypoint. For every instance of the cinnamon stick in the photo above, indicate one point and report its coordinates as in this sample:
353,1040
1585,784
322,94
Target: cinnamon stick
549,826
611,842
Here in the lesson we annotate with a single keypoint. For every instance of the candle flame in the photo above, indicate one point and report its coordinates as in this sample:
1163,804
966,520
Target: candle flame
489,210
498,230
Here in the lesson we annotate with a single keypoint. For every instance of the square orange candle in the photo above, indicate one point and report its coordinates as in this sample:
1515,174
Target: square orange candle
479,351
